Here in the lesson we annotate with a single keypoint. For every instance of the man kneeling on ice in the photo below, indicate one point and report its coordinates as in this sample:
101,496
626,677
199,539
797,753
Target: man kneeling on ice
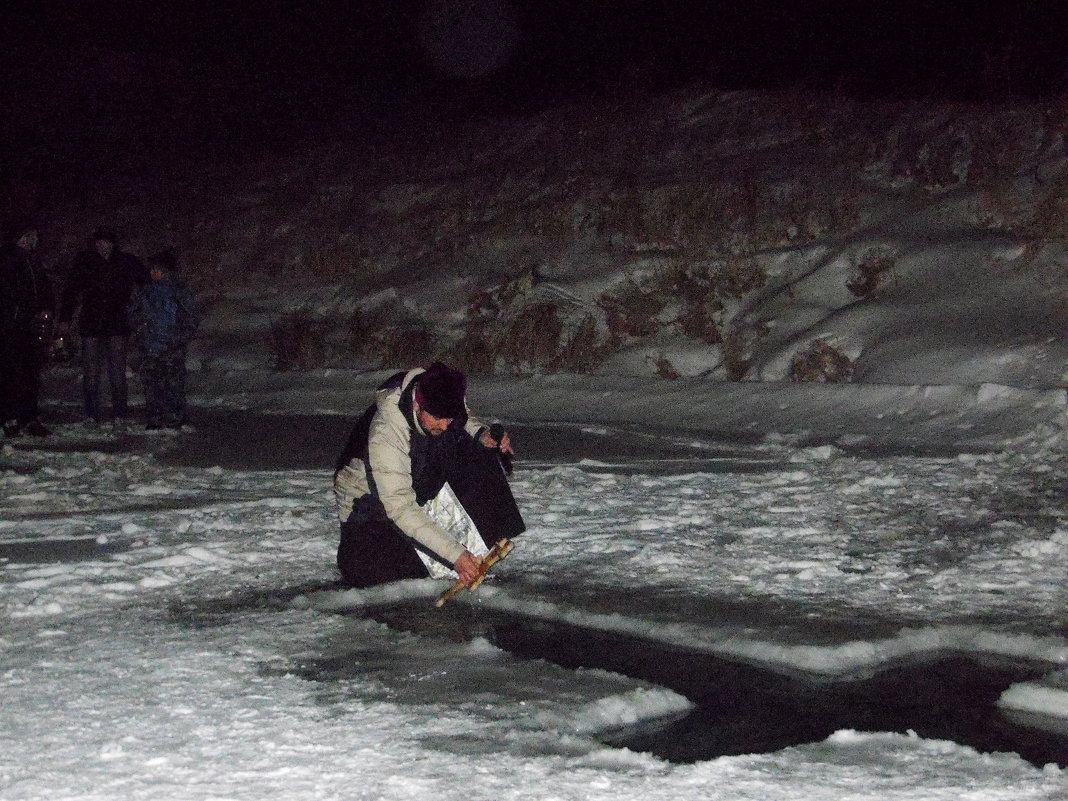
419,487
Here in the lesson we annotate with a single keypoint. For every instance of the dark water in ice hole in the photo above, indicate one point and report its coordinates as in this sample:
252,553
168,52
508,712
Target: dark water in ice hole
743,708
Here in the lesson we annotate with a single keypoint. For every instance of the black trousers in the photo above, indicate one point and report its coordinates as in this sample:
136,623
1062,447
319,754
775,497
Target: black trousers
20,376
373,550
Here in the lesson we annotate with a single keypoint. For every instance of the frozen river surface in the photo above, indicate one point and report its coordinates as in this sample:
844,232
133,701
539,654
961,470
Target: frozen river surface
171,630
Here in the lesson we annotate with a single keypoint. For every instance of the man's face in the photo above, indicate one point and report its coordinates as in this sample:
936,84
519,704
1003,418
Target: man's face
434,426
28,241
104,247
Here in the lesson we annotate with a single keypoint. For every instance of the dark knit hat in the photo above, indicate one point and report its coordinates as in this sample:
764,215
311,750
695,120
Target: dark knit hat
104,235
440,391
166,259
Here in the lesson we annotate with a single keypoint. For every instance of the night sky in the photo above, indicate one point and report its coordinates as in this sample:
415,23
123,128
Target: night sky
533,51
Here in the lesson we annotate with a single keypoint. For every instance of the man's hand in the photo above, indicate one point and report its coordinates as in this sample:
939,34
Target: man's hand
496,437
467,567
501,549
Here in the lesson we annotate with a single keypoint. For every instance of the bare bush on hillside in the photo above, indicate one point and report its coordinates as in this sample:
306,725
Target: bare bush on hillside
665,369
1049,219
527,325
937,147
532,340
820,361
584,348
298,341
702,306
869,272
738,344
631,308
389,338
474,352
738,277
405,346
639,305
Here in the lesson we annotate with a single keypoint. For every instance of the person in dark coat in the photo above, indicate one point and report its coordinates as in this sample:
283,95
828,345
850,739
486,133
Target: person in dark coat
164,318
413,441
98,288
26,311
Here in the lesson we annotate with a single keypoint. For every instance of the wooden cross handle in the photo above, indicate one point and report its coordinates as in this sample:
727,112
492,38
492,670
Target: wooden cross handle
496,554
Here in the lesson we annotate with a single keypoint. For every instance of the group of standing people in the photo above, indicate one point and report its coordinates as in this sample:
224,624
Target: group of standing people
112,298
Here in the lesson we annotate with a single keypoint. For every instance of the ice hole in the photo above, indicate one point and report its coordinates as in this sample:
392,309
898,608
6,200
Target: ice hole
743,708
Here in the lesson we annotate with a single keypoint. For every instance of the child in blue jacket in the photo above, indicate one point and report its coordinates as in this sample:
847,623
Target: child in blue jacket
164,318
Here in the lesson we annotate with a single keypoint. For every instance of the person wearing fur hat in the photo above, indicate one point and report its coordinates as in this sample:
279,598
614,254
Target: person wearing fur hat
26,308
413,450
98,288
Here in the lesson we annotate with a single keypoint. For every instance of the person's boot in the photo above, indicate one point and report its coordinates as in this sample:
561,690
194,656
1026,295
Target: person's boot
35,428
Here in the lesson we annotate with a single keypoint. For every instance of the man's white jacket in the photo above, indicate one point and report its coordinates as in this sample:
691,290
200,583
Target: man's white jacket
389,448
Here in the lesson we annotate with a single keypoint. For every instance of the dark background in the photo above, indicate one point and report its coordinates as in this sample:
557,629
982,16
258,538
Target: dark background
145,90
535,51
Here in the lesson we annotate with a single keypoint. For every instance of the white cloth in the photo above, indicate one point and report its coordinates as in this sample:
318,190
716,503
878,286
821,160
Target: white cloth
445,510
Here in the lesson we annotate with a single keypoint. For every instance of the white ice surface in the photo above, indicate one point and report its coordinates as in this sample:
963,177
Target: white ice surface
167,664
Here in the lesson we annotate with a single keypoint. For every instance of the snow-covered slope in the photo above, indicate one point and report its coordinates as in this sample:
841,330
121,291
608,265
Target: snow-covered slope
723,235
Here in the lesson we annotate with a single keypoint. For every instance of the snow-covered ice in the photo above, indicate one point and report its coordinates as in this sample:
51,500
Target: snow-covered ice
157,644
